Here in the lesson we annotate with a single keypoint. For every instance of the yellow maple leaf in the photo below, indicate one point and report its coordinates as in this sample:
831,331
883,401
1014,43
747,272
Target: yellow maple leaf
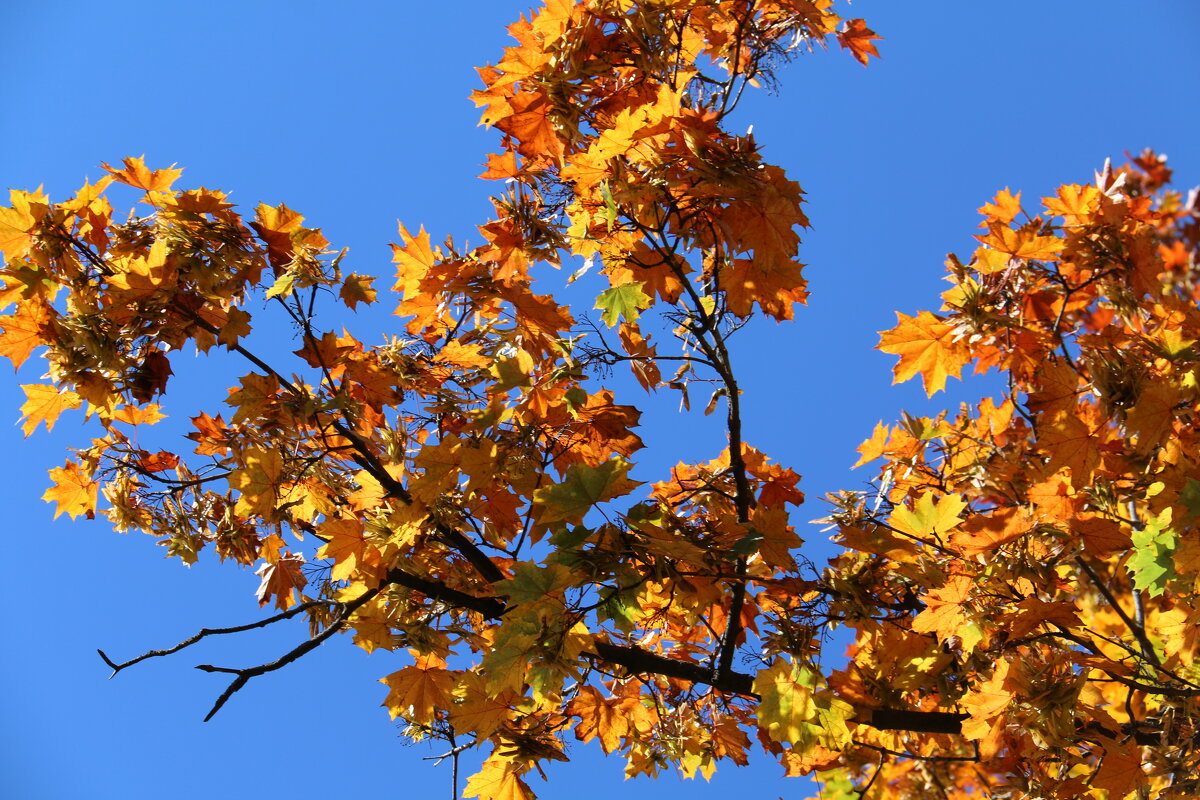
258,482
417,692
925,344
346,545
357,289
477,709
139,415
944,613
18,222
25,329
44,404
929,516
73,490
498,780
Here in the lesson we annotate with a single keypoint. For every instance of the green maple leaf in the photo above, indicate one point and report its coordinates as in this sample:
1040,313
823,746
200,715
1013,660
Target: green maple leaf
622,302
531,583
837,785
582,488
1152,563
796,710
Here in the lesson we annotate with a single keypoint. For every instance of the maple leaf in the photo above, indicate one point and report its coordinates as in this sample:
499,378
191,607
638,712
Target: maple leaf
1153,416
1152,563
417,692
236,327
531,583
44,404
925,344
581,489
983,532
17,224
986,701
1070,442
929,517
346,545
24,330
139,415
529,121
498,780
598,718
1006,244
857,38
281,580
258,481
944,612
1120,772
623,302
477,709
73,490
796,711
139,176
501,166
357,289
1003,208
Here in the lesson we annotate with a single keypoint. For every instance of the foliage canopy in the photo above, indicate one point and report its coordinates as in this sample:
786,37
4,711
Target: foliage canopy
1020,586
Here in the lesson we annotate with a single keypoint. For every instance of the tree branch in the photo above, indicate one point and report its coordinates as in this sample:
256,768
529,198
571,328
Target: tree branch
262,623
244,675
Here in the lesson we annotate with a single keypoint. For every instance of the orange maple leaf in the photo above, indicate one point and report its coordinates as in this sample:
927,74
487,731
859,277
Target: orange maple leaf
529,123
983,532
281,580
598,718
986,701
857,38
1006,244
138,175
925,344
943,612
1003,208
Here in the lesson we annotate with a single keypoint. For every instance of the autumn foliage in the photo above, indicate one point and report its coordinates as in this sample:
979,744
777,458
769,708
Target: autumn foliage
1020,585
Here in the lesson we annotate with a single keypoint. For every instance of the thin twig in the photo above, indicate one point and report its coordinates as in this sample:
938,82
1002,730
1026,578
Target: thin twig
898,754
262,623
244,675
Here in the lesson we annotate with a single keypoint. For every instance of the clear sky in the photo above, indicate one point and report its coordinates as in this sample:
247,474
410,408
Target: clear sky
356,114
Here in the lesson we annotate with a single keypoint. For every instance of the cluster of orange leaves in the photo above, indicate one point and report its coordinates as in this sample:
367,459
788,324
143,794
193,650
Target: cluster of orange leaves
1021,586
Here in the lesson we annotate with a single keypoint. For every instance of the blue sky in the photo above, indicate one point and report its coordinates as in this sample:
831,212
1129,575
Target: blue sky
356,114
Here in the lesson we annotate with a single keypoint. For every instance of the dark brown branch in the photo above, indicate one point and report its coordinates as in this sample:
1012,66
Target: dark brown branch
895,719
639,661
244,675
489,607
262,623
